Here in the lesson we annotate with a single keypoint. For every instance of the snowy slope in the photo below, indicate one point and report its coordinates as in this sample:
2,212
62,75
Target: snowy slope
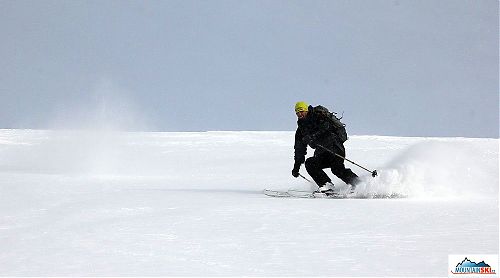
103,203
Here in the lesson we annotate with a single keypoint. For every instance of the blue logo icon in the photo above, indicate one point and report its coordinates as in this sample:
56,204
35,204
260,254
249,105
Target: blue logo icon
469,267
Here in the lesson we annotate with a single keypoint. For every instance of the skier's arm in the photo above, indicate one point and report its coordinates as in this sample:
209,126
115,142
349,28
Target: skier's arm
300,148
300,153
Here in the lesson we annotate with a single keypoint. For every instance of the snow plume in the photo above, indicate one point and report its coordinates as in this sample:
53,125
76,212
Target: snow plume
86,134
105,107
436,168
61,152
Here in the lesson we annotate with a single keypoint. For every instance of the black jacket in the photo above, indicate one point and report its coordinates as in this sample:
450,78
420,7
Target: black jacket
320,130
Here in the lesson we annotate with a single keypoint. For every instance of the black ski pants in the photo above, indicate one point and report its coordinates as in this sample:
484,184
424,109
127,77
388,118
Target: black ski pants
318,162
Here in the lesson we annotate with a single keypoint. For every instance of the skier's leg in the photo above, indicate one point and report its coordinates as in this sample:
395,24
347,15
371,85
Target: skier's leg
314,167
345,174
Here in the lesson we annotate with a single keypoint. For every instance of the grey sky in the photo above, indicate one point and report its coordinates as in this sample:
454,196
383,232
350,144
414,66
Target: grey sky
411,68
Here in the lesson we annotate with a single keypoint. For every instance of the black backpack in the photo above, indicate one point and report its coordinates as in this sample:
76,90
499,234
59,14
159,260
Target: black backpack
338,126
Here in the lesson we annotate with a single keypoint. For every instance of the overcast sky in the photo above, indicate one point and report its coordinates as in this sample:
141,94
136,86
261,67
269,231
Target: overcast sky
409,68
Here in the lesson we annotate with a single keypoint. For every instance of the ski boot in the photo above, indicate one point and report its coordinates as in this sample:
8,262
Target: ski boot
353,182
326,188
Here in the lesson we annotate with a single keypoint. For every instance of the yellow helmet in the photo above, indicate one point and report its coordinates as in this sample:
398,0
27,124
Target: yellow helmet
301,106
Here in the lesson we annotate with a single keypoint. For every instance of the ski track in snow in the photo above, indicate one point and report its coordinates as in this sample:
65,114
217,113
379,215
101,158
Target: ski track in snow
84,203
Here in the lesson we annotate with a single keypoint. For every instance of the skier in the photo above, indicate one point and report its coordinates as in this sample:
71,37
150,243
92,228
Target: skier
321,130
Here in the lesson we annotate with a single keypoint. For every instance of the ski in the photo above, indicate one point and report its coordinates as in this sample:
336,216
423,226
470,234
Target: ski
302,194
276,193
292,193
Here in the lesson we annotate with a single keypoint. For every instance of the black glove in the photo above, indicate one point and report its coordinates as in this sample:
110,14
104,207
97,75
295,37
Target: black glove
295,171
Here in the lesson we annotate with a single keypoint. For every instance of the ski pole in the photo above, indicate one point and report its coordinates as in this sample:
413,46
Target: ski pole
305,178
374,172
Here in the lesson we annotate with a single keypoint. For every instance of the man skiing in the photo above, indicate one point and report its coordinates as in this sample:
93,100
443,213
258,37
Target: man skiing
322,131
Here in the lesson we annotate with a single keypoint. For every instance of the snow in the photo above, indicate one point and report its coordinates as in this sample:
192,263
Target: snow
88,203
